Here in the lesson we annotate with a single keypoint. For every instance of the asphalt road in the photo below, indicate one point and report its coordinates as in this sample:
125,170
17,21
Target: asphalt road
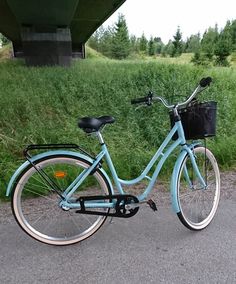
151,247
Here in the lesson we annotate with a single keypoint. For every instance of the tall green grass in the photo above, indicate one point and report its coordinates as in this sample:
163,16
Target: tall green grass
42,105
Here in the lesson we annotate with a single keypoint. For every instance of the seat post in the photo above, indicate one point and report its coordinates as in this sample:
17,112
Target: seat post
100,138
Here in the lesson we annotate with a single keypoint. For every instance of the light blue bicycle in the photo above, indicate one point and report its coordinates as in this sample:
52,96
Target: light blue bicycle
61,196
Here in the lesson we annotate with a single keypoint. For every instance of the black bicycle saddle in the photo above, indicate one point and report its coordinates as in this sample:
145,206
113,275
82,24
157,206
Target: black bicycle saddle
93,124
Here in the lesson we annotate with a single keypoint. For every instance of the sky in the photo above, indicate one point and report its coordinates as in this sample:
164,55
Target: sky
160,18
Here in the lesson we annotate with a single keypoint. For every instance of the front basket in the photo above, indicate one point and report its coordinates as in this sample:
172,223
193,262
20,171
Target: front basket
198,120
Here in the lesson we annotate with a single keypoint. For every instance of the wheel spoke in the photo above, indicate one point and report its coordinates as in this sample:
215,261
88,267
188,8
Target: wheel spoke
38,194
36,205
198,205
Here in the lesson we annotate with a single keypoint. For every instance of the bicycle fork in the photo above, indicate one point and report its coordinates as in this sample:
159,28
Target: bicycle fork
195,169
188,152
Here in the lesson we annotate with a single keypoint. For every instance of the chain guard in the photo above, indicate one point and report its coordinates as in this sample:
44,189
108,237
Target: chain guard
122,208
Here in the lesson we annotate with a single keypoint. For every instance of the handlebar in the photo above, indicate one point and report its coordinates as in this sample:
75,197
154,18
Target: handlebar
147,100
204,82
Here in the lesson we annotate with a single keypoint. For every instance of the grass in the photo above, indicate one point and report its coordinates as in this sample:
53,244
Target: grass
5,52
93,54
42,105
184,58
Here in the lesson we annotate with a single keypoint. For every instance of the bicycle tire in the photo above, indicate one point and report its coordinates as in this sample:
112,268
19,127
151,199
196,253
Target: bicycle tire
36,207
198,205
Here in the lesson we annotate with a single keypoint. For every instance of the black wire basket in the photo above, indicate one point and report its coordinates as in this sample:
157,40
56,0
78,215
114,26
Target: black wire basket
198,119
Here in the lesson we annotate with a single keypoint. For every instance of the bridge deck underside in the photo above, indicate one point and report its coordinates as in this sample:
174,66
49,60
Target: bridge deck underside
81,17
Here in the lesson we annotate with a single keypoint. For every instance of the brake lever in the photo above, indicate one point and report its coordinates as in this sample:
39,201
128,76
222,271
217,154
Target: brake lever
150,96
149,101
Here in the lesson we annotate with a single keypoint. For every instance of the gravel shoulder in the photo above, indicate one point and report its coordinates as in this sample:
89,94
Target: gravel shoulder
160,194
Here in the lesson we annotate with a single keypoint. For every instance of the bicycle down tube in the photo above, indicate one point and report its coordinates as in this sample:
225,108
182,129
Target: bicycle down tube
119,182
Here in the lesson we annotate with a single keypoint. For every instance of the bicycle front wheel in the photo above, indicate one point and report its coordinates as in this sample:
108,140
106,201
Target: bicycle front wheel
36,207
198,203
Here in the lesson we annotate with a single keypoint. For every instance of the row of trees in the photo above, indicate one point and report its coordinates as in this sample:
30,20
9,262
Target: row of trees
214,46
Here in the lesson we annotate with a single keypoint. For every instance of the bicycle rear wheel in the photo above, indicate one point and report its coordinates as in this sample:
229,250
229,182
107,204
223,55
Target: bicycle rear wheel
36,207
198,204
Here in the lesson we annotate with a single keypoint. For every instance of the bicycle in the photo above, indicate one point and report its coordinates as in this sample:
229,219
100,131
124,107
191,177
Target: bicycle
62,197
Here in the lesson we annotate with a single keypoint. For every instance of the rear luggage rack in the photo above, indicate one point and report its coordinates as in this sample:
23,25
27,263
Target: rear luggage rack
53,146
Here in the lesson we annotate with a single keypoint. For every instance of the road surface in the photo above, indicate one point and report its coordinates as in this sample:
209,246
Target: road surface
151,247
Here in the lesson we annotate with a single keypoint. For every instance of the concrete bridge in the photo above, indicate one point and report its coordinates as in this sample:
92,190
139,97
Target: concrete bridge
51,32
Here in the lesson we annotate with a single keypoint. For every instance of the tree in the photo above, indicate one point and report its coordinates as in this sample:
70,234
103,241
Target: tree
94,40
164,50
134,45
101,40
158,45
193,44
233,34
143,42
200,59
4,40
177,42
106,42
224,46
169,48
151,47
120,45
208,42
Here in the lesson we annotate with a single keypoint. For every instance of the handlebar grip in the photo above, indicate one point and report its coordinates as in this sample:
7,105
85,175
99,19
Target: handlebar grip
139,100
205,82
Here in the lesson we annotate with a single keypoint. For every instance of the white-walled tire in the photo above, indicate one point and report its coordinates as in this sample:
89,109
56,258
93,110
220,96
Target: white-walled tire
198,205
36,206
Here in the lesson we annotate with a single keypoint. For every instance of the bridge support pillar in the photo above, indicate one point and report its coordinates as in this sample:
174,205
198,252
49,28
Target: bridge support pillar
47,47
78,50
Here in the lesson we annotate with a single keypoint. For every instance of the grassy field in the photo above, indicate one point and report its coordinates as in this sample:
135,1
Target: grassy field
42,105
5,52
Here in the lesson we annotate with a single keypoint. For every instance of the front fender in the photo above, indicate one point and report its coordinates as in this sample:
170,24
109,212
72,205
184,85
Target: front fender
49,154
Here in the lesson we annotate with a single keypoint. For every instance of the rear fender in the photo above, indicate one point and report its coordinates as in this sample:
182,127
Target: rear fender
49,154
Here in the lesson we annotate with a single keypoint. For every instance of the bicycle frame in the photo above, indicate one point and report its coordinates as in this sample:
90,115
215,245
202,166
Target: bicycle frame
119,182
62,194
163,153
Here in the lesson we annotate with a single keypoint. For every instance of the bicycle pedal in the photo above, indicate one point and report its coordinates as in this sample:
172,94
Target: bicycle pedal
152,204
